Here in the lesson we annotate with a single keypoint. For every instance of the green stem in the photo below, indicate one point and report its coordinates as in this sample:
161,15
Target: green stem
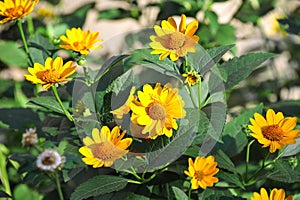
199,95
191,95
247,159
261,168
68,115
30,26
189,194
58,185
3,172
24,40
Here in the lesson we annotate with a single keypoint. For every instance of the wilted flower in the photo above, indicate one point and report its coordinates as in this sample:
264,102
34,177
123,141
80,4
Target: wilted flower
15,9
274,131
50,160
202,172
53,72
105,147
191,78
29,138
80,41
274,195
174,41
157,110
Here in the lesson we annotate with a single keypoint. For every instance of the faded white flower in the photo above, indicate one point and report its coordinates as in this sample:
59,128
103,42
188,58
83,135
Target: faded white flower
50,160
29,138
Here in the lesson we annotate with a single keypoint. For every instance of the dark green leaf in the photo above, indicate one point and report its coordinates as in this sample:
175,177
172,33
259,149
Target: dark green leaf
122,82
213,194
284,172
17,59
179,194
239,68
224,161
225,35
230,178
47,102
23,192
4,194
234,140
99,185
213,21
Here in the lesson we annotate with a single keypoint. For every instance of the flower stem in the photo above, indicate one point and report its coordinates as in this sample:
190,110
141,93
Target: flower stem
199,95
58,185
189,194
191,95
24,40
68,115
261,168
247,159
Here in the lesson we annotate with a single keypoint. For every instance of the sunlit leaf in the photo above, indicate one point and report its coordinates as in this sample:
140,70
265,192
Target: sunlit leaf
17,59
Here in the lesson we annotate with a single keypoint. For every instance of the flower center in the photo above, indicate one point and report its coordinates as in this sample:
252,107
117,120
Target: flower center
50,76
49,160
175,40
102,150
14,12
157,111
272,132
199,175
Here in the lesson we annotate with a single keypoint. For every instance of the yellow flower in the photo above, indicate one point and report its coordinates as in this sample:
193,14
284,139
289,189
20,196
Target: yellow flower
157,110
15,9
275,195
174,41
125,108
191,78
80,41
274,131
271,26
53,72
105,147
202,172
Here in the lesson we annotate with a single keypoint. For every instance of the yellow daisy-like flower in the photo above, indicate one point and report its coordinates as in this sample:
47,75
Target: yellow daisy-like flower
105,147
174,41
202,172
125,108
274,195
80,41
274,131
53,72
157,110
15,9
191,78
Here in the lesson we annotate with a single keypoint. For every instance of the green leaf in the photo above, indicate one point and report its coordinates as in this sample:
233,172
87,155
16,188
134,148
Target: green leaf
291,149
213,21
225,34
23,192
224,161
114,13
179,194
146,59
239,68
213,194
122,82
47,102
230,178
78,17
284,172
234,140
99,185
12,55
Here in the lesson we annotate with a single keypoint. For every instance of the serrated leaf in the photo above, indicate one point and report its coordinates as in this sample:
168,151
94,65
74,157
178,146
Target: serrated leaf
213,194
18,58
224,161
122,82
239,68
233,137
47,102
179,194
230,178
203,60
99,185
283,172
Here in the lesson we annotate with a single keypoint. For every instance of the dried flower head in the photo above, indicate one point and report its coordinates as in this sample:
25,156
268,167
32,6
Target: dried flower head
29,138
50,160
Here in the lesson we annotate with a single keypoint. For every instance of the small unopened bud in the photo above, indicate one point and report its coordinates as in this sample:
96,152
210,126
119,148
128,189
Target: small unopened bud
81,61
